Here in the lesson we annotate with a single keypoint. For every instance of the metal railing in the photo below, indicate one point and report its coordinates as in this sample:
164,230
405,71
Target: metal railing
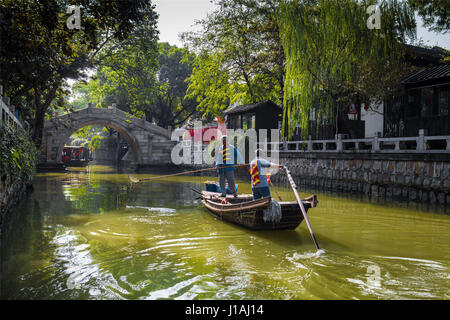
8,117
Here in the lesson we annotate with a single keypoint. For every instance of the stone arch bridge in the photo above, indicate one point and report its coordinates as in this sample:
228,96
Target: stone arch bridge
149,144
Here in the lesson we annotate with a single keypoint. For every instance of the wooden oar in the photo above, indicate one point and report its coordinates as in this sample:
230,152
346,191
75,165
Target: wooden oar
196,191
300,203
134,179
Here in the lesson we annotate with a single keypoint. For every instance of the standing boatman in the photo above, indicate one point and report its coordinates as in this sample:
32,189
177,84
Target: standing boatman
227,157
260,182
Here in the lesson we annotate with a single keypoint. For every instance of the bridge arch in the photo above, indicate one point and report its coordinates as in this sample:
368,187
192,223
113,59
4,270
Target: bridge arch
149,144
116,125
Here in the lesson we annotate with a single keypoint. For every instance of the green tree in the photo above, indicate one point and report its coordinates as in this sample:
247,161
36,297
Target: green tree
435,14
127,71
171,106
18,154
332,54
239,45
146,82
210,85
90,136
38,52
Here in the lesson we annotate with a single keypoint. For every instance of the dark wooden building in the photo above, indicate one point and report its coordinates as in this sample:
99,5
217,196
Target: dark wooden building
261,115
424,104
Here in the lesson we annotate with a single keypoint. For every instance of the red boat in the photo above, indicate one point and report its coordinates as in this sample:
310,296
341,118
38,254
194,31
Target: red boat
76,156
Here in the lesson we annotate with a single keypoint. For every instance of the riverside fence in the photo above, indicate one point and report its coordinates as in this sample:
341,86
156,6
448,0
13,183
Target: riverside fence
8,115
398,145
421,144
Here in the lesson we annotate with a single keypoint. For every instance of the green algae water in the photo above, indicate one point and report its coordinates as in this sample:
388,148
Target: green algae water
90,234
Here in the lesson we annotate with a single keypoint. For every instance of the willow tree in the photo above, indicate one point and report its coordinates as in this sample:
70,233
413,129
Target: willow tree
333,49
435,14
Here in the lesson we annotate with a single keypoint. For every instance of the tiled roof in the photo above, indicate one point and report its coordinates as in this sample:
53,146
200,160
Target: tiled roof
440,71
433,52
249,107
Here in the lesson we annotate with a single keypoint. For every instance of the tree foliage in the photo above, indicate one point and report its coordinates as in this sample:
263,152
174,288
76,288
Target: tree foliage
239,56
210,85
144,78
172,107
331,54
89,136
435,14
39,52
18,154
128,69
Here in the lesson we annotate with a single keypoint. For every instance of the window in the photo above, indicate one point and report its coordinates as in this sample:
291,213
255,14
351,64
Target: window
235,122
245,122
435,101
444,99
429,102
248,121
413,103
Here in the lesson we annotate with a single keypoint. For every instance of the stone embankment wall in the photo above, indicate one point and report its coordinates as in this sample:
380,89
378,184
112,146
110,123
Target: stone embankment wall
424,178
12,191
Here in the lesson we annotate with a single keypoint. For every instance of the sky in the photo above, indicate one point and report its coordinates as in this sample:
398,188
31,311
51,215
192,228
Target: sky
176,16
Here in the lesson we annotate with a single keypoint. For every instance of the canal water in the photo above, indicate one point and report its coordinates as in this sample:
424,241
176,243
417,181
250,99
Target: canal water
91,234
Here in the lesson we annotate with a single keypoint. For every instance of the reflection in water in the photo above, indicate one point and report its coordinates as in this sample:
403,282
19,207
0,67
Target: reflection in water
93,235
161,210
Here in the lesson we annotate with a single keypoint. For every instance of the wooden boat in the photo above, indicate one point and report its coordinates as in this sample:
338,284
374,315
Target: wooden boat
76,156
249,213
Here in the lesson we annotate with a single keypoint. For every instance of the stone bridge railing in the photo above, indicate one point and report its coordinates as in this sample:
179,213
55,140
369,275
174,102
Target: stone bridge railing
419,144
376,145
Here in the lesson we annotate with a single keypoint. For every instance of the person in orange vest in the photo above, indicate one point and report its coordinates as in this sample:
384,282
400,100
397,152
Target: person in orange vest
227,157
260,178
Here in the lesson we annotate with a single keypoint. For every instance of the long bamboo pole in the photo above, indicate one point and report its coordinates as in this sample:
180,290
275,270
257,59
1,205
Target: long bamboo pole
134,179
300,203
273,188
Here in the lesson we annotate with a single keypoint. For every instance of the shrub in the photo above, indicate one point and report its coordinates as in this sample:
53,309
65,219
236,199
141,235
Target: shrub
18,154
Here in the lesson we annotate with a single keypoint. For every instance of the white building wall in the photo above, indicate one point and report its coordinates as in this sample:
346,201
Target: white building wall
373,119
